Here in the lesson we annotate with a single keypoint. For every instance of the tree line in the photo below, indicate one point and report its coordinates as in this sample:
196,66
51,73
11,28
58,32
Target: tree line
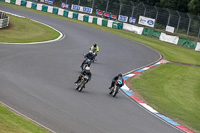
187,6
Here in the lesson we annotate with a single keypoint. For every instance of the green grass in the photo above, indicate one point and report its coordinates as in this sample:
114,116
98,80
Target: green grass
23,30
173,90
12,123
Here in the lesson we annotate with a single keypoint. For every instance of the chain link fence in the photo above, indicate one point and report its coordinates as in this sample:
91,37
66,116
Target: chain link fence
186,25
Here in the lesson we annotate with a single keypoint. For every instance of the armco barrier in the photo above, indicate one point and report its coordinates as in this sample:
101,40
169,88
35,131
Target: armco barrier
4,20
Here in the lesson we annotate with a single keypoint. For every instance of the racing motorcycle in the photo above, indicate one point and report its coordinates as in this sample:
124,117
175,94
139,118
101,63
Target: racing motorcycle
114,90
85,63
94,51
82,83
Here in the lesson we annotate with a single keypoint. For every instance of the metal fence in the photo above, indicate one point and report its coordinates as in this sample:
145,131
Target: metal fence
186,25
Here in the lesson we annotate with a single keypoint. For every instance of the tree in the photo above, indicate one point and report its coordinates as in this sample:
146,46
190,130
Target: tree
180,5
194,7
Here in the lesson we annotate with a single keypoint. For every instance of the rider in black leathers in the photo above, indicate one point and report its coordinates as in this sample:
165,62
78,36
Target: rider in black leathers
84,73
119,76
88,56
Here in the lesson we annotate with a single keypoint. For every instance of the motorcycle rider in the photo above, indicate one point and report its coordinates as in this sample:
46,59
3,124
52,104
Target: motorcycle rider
89,56
118,77
84,73
95,47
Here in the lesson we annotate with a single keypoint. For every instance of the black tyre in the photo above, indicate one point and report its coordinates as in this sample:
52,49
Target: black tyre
111,91
77,87
115,91
81,86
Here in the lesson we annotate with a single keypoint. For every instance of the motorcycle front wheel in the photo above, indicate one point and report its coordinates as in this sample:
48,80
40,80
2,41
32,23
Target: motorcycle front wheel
115,91
81,86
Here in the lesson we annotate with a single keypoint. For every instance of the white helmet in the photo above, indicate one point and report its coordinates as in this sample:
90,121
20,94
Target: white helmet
90,51
87,68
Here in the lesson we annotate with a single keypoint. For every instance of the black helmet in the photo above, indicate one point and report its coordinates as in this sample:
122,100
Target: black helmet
119,75
95,45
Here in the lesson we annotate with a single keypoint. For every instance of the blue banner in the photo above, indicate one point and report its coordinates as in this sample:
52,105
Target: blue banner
81,8
65,5
48,2
132,20
123,18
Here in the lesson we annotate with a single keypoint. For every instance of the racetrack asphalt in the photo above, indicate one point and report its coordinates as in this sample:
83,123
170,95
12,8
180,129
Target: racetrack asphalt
38,81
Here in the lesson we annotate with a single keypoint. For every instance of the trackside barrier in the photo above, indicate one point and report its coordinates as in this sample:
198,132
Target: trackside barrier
168,38
187,43
198,46
107,23
4,20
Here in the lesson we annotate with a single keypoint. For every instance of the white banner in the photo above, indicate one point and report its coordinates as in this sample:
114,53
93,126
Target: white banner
80,16
169,29
7,1
169,38
110,22
133,28
99,21
146,21
198,46
81,8
18,2
90,19
60,11
39,7
29,4
50,9
70,14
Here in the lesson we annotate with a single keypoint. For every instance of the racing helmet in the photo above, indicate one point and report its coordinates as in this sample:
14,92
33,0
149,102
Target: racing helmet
95,45
87,69
119,75
90,52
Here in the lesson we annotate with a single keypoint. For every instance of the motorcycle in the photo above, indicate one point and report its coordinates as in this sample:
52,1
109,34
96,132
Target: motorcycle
82,83
85,63
114,90
94,51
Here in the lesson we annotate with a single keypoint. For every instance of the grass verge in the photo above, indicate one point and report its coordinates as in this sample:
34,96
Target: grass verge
173,90
23,30
12,123
170,89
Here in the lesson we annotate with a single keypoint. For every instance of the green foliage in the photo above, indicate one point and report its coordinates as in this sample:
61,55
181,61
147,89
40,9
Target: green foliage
194,7
180,5
159,26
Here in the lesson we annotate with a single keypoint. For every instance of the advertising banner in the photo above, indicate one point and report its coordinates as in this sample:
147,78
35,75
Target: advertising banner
81,9
132,20
106,14
113,16
169,29
65,5
123,18
146,21
99,13
48,2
